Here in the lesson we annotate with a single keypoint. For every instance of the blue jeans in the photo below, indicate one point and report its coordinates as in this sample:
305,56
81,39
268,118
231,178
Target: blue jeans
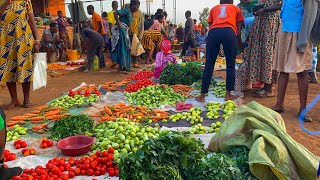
228,38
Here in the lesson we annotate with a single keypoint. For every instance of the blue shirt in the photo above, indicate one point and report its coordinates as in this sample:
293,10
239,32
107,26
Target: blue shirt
291,15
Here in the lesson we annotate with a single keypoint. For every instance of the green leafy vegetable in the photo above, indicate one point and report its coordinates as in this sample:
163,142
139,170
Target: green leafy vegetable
167,156
217,167
178,74
71,126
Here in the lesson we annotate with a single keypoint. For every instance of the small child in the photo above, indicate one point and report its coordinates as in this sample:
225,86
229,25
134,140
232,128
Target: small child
225,22
163,58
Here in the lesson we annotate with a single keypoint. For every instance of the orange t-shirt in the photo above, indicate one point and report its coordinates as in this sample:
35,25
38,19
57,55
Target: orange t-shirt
225,15
96,18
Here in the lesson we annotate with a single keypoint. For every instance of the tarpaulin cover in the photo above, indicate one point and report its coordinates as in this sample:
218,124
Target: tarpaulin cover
273,153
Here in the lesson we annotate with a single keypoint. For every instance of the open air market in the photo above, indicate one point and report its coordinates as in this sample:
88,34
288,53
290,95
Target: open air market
159,89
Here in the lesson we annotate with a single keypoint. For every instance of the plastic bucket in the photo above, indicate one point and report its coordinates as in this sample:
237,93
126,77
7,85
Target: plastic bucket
73,55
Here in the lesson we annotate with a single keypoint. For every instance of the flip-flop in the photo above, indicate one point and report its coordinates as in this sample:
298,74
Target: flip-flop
306,118
262,94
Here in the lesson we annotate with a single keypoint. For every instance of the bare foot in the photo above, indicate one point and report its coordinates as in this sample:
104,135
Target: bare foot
27,104
278,109
200,98
12,105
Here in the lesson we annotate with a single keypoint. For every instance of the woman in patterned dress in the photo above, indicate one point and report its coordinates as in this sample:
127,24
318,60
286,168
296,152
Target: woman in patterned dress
259,54
17,34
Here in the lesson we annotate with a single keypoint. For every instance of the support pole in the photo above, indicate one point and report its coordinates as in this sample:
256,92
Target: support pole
164,5
175,11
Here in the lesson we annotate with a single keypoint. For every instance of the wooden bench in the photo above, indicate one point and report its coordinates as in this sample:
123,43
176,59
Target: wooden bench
198,50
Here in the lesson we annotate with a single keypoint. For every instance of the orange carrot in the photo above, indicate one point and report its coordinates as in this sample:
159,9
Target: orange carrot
51,113
108,119
56,117
108,110
19,118
29,114
38,118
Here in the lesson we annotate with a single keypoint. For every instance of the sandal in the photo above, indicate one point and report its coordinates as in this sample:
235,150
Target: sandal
306,118
263,94
281,110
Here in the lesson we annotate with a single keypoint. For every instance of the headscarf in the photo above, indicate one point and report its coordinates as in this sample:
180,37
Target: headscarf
180,25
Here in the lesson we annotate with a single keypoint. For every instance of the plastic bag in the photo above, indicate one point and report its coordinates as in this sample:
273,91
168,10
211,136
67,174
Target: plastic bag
40,71
136,48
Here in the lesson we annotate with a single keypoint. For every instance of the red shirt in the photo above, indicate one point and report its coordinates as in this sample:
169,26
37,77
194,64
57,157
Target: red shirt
225,15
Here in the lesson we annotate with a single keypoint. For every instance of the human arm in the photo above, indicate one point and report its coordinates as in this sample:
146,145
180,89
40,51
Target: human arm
33,27
100,26
272,8
116,17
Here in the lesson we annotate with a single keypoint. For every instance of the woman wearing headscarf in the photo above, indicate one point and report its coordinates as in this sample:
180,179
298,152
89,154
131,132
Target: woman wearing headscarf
246,7
120,40
18,37
260,53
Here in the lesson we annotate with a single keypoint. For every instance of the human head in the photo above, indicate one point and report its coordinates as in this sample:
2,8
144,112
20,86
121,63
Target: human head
90,9
194,21
226,1
134,5
104,14
171,25
180,25
115,5
60,14
85,25
54,27
188,14
204,30
159,11
165,46
160,17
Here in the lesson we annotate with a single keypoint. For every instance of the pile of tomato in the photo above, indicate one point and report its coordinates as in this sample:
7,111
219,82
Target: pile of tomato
138,85
141,75
97,164
85,93
8,156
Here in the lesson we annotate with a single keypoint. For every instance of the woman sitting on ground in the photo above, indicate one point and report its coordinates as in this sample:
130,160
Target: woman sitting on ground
163,58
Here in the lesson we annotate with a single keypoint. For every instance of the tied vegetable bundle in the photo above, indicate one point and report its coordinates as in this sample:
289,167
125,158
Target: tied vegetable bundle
177,74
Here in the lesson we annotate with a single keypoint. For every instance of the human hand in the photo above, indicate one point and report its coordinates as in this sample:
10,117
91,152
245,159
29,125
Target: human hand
36,47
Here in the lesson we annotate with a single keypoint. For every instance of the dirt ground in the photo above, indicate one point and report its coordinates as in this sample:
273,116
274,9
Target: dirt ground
56,86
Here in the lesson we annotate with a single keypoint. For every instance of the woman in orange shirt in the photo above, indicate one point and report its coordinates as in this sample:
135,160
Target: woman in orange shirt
225,22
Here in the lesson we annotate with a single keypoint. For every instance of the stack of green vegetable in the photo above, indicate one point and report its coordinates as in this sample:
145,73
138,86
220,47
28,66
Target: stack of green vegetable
154,96
178,74
122,135
71,126
176,156
220,90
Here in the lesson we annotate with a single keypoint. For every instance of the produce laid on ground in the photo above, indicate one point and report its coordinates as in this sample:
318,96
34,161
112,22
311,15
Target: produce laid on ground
70,126
133,113
197,85
220,90
215,109
58,66
192,116
122,135
68,101
177,74
138,85
182,89
9,156
114,86
16,132
141,75
154,96
97,164
42,114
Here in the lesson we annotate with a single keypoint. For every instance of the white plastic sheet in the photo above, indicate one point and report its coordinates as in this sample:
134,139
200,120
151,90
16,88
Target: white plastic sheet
40,71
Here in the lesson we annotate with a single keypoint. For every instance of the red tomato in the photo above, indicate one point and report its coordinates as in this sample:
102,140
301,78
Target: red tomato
49,143
97,173
112,173
77,171
110,157
116,172
6,153
109,164
18,146
64,177
24,144
98,159
17,142
111,150
61,168
105,154
71,174
90,172
43,145
103,171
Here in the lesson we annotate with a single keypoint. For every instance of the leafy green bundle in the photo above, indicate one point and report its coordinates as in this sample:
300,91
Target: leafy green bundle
172,156
71,126
178,74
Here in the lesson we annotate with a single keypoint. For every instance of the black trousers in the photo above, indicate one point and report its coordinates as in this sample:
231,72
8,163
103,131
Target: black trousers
228,38
186,45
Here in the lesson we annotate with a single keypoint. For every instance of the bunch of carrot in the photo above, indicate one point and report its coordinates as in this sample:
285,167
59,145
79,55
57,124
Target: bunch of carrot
90,88
133,113
40,114
182,89
114,86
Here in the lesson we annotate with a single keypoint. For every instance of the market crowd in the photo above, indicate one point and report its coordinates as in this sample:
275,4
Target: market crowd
267,33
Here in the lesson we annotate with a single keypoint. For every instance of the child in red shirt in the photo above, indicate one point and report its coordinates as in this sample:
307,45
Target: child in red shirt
225,22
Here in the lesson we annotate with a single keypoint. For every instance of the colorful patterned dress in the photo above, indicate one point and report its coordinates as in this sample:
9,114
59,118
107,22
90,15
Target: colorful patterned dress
259,55
16,43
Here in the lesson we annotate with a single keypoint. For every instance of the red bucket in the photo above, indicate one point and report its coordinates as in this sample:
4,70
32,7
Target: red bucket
75,145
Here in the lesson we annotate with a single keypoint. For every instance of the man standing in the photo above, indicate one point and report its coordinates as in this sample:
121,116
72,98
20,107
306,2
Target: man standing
97,24
189,37
63,34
